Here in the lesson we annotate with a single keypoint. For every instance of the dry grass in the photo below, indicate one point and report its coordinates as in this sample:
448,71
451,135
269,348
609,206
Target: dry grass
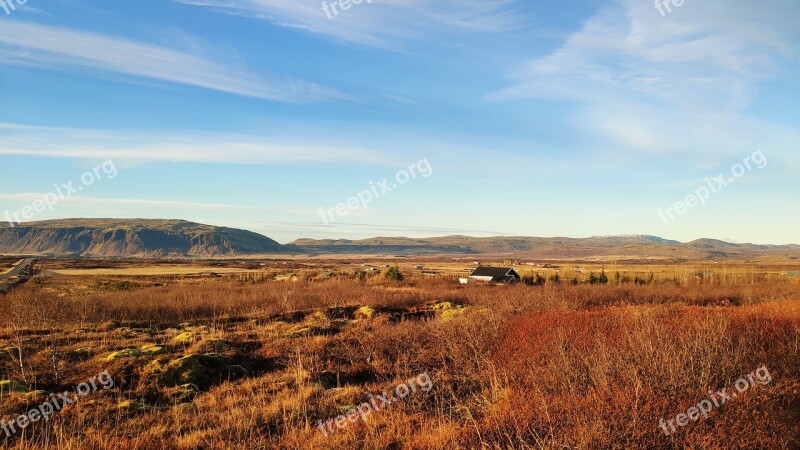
555,366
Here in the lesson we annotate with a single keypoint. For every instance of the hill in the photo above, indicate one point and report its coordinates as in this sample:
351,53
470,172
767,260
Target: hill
180,238
633,246
134,237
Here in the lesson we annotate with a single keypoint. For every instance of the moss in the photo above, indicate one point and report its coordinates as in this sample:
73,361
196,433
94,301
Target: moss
316,318
145,350
130,405
365,312
11,386
449,314
127,353
298,331
202,371
37,394
152,349
185,338
219,345
184,393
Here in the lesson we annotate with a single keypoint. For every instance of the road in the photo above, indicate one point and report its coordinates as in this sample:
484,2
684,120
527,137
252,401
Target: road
18,269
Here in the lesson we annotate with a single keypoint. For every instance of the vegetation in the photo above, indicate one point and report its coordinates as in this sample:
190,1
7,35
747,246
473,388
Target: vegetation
394,274
226,363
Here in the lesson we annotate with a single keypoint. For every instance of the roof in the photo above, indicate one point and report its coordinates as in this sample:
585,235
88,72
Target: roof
496,273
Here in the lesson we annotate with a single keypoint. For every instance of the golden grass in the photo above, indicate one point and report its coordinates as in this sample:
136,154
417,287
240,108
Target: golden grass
554,366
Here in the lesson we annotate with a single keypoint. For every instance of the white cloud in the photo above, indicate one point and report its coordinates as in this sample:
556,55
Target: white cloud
206,147
33,196
382,23
25,43
680,83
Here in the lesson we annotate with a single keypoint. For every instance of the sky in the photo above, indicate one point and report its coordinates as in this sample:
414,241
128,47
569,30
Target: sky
429,117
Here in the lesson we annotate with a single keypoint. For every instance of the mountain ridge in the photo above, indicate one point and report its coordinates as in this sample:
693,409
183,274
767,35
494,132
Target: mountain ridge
181,238
132,237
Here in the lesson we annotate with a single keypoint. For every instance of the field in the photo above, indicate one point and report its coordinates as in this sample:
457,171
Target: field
592,358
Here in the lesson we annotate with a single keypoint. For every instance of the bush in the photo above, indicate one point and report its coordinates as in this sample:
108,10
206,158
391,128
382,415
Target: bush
394,274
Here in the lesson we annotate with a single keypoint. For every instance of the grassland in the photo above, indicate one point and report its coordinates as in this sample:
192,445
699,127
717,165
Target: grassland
242,361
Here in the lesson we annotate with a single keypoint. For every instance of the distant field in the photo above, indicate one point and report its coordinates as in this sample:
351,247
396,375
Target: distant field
149,271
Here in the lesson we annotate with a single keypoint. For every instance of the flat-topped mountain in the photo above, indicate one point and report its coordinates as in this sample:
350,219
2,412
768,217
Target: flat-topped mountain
131,237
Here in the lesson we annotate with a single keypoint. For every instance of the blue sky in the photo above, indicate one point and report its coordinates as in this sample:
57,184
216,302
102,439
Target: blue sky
570,118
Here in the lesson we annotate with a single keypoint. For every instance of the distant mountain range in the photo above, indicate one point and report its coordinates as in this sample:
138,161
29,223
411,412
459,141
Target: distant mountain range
632,246
179,238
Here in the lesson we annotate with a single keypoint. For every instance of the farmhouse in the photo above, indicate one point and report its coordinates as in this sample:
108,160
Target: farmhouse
494,275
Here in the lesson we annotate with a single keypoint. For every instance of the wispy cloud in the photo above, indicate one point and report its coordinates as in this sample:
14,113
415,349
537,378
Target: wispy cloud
659,84
130,202
25,43
205,147
387,23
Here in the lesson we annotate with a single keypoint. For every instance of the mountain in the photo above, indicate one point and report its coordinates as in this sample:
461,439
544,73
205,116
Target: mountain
179,238
134,237
629,246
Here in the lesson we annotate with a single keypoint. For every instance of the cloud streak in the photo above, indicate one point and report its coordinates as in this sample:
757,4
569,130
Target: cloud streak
29,44
131,202
384,24
204,147
654,84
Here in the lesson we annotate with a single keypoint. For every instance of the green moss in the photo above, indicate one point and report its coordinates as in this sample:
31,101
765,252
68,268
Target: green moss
152,349
200,370
9,386
443,306
219,345
451,313
365,312
130,405
145,350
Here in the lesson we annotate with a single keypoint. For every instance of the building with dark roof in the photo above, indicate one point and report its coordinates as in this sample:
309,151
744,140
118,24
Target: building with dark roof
494,275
